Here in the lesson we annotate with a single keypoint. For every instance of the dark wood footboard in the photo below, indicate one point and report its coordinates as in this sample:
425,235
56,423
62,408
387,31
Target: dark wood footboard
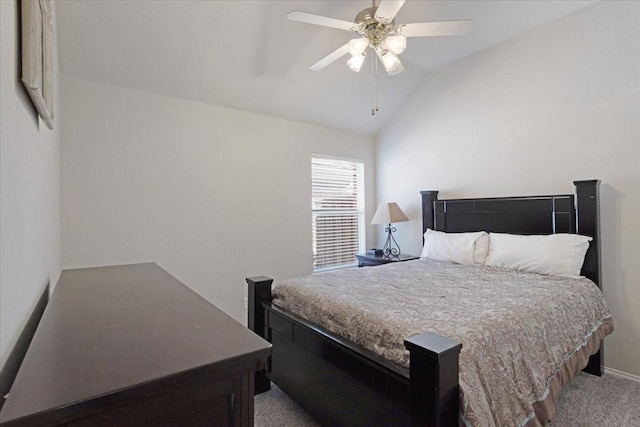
343,384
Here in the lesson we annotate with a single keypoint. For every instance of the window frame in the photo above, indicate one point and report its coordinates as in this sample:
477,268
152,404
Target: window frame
358,211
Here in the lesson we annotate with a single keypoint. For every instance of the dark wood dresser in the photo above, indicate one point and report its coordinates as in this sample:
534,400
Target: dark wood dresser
131,346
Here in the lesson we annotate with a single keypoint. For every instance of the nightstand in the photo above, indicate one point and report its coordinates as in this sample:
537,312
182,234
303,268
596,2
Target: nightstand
371,260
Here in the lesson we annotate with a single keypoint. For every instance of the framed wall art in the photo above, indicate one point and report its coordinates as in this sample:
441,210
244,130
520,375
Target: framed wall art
38,55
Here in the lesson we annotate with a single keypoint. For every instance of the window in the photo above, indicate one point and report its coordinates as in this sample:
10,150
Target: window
337,203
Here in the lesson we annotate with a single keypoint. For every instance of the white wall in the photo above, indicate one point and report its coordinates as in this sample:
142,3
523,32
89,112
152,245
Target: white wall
213,195
29,192
528,117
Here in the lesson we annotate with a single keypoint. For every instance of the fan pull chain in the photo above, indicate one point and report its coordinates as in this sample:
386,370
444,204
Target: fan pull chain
374,87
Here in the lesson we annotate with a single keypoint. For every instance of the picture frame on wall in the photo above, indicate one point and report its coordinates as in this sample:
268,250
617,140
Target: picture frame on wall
38,40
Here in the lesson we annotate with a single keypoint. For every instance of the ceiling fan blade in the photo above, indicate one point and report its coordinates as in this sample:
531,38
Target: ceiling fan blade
309,18
333,56
388,9
434,29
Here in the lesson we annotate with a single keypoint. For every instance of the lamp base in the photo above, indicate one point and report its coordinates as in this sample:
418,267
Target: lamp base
391,248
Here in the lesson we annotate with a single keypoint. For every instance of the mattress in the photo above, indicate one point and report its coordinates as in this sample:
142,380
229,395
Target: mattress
524,335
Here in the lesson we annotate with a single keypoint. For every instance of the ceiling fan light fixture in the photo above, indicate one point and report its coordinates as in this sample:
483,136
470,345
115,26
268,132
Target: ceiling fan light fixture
397,70
396,44
390,61
356,61
358,46
377,29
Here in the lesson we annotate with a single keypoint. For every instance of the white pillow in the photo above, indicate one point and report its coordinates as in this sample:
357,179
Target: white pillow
462,248
481,249
553,254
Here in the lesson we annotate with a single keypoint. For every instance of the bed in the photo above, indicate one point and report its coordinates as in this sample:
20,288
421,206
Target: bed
344,381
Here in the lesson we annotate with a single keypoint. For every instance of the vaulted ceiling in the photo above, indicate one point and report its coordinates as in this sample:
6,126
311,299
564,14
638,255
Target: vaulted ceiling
246,55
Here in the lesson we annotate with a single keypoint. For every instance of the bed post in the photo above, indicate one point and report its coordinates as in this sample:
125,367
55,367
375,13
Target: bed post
259,291
588,224
428,197
434,391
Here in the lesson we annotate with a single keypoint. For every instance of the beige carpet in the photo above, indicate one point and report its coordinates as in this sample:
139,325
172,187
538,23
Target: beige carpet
588,401
606,401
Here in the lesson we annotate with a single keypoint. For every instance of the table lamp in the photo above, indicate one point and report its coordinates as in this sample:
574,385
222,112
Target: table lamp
388,213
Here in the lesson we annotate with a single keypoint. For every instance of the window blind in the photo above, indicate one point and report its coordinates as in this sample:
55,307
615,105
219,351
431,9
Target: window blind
337,200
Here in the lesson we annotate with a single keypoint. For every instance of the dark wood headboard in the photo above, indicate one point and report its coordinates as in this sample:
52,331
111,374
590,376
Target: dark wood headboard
561,213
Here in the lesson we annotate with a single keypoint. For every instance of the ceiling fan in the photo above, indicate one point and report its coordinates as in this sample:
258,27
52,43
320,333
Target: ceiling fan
378,31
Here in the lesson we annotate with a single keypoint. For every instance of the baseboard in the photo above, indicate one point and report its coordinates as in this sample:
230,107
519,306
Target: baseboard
620,374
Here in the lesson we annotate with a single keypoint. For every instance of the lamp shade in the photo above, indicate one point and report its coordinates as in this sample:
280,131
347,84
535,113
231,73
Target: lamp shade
396,44
355,63
358,46
388,213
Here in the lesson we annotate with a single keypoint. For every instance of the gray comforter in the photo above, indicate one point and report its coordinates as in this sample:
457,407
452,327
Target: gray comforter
524,335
